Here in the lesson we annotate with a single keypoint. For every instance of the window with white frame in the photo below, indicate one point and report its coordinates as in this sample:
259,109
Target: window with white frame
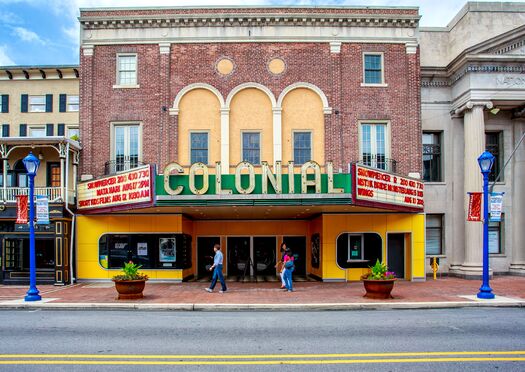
434,234
251,147
126,146
495,236
374,145
127,69
199,147
37,103
302,147
373,68
37,131
72,103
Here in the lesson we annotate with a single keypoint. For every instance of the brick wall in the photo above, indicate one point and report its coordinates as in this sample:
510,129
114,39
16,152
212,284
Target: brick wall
161,77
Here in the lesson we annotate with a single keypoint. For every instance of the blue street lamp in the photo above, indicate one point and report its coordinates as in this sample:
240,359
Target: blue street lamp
31,163
485,161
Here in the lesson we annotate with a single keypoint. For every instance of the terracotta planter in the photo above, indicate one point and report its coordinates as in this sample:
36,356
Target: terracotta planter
379,289
130,289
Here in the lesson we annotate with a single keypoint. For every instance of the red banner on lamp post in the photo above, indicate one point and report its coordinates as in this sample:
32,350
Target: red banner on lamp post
21,208
474,206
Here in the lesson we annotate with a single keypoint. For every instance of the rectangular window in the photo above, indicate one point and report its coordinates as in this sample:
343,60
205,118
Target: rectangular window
199,147
495,236
127,69
37,103
432,157
434,234
126,147
73,133
373,69
251,147
4,103
37,131
374,146
493,145
72,103
302,147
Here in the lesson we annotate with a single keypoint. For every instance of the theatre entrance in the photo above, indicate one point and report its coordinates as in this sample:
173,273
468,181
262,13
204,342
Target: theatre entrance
251,257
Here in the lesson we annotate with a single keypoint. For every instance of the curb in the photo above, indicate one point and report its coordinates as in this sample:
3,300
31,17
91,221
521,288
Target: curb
261,307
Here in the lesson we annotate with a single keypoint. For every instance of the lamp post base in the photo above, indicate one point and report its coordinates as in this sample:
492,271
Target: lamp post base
485,293
32,295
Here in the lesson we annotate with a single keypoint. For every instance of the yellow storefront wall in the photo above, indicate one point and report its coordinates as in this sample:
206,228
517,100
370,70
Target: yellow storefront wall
328,226
91,228
412,225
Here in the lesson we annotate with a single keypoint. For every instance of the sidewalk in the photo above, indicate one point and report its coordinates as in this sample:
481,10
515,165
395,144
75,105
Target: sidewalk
307,296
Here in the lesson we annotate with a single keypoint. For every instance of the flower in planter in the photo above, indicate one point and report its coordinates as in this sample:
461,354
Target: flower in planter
379,272
131,272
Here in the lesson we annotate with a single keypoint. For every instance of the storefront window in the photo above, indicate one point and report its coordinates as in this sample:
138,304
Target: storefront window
152,251
355,250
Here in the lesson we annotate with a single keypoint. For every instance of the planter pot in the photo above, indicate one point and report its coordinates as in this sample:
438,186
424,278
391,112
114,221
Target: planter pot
130,289
379,289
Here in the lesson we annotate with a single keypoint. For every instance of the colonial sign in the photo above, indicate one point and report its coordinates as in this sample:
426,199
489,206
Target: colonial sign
245,181
124,190
376,188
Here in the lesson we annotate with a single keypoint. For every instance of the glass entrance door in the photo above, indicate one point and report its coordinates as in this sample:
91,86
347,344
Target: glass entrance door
251,256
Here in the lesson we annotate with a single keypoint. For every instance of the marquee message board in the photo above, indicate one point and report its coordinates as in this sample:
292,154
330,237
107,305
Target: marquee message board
376,188
125,190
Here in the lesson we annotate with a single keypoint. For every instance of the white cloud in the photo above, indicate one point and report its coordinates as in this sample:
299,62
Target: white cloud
5,60
10,18
28,35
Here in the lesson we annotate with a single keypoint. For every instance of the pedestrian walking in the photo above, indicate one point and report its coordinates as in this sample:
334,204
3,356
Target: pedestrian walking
280,264
288,269
217,270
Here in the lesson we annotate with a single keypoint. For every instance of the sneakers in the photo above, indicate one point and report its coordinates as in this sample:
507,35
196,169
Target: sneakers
208,290
221,291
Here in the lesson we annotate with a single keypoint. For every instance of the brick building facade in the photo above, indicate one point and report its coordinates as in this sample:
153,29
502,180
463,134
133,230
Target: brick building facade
323,88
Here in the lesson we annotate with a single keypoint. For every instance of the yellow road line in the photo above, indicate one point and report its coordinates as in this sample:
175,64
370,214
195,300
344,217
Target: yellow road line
260,362
261,356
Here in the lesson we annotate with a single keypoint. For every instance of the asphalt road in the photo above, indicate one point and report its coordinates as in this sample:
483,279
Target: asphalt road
396,340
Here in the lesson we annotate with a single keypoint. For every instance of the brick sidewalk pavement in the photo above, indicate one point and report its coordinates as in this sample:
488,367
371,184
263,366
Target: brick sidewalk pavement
439,291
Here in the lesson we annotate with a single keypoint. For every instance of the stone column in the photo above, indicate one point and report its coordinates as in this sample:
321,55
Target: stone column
517,265
474,131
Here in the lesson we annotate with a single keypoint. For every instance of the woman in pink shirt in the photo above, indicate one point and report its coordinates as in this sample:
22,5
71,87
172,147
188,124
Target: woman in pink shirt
288,269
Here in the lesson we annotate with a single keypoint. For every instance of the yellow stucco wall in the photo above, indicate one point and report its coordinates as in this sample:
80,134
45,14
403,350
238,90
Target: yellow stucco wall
199,112
91,228
251,110
411,224
303,112
329,226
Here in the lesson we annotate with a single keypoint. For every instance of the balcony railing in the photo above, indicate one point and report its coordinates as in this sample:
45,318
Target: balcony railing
379,162
54,194
122,164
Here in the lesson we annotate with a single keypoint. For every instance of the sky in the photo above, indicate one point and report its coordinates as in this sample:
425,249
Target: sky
46,32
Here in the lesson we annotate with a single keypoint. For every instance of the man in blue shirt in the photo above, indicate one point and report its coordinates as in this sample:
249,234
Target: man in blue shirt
217,267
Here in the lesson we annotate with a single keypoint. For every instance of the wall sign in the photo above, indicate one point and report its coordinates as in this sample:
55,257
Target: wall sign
121,191
377,188
42,210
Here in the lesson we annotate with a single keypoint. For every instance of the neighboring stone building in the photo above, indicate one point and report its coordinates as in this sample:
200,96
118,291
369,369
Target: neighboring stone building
225,89
38,113
473,98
